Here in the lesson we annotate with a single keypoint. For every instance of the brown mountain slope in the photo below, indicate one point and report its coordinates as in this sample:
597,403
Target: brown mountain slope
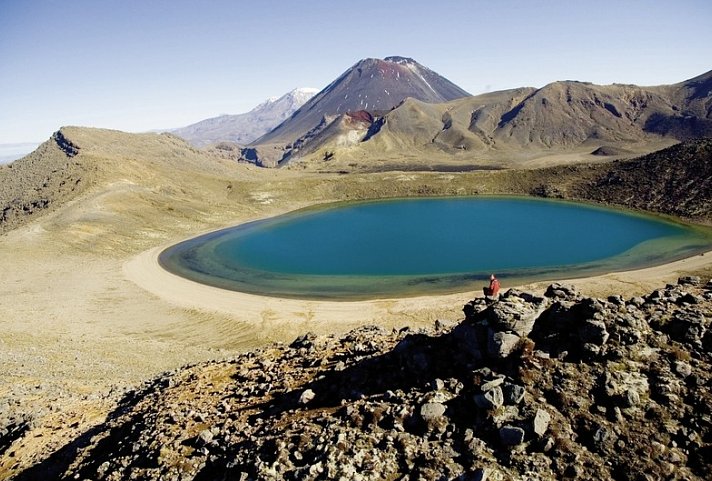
514,128
692,110
51,175
566,114
464,124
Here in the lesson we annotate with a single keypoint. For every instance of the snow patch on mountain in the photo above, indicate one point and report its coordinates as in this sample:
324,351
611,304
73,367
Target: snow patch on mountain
244,128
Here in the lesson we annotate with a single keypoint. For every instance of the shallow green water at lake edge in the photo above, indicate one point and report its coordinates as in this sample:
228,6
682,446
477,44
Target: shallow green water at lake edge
405,247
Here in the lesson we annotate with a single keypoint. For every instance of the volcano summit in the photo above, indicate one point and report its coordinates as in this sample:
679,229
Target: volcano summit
372,85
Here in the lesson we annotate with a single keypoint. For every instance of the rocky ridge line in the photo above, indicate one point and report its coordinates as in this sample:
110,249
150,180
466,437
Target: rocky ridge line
557,386
41,181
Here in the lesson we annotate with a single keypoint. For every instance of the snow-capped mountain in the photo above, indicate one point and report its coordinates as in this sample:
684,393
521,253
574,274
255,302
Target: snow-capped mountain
371,85
244,128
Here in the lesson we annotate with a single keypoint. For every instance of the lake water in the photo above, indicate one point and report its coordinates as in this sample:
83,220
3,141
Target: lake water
420,246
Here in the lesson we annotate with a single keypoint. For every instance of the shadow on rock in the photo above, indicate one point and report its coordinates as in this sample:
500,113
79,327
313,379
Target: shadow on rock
116,441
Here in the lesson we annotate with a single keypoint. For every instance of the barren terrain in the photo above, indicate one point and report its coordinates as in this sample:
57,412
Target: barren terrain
86,310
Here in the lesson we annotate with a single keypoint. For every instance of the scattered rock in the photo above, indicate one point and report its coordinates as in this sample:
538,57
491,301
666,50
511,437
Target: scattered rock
632,398
511,435
682,368
602,437
541,422
304,341
307,396
513,393
594,332
489,385
491,399
561,291
433,414
205,437
689,281
501,344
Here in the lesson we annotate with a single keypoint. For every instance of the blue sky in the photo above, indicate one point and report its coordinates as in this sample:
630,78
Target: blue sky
137,65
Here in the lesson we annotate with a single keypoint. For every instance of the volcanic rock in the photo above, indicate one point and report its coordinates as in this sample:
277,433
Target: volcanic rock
411,404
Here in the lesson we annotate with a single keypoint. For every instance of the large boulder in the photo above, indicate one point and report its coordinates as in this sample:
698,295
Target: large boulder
562,292
470,340
433,415
516,312
495,331
687,326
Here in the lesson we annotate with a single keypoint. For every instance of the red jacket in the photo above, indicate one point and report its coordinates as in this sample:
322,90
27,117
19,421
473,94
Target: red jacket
494,287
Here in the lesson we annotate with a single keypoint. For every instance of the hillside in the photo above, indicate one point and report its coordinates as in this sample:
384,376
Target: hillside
558,386
675,181
244,128
694,118
75,161
524,127
49,176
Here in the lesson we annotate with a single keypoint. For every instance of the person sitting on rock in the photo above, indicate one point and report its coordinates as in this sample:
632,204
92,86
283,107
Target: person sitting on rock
492,292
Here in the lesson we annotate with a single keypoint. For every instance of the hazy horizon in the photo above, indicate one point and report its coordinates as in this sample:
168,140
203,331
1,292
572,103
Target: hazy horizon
144,66
13,151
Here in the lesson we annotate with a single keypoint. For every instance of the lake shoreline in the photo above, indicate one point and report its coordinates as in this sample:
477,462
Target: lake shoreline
145,271
425,246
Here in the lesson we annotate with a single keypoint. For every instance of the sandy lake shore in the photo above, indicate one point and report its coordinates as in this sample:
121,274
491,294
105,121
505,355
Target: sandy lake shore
145,271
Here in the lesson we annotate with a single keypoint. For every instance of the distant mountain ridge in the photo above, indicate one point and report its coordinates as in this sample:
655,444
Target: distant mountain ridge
371,85
244,128
381,109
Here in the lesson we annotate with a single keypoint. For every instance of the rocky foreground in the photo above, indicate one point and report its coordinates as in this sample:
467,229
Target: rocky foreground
528,387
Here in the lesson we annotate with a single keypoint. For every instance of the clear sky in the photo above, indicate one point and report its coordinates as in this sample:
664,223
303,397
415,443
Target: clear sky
137,65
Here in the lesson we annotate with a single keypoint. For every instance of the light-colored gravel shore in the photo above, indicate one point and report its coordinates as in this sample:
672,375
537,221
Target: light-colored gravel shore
323,316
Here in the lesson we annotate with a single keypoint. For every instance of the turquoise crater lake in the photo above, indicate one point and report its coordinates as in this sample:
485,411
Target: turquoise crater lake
405,247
